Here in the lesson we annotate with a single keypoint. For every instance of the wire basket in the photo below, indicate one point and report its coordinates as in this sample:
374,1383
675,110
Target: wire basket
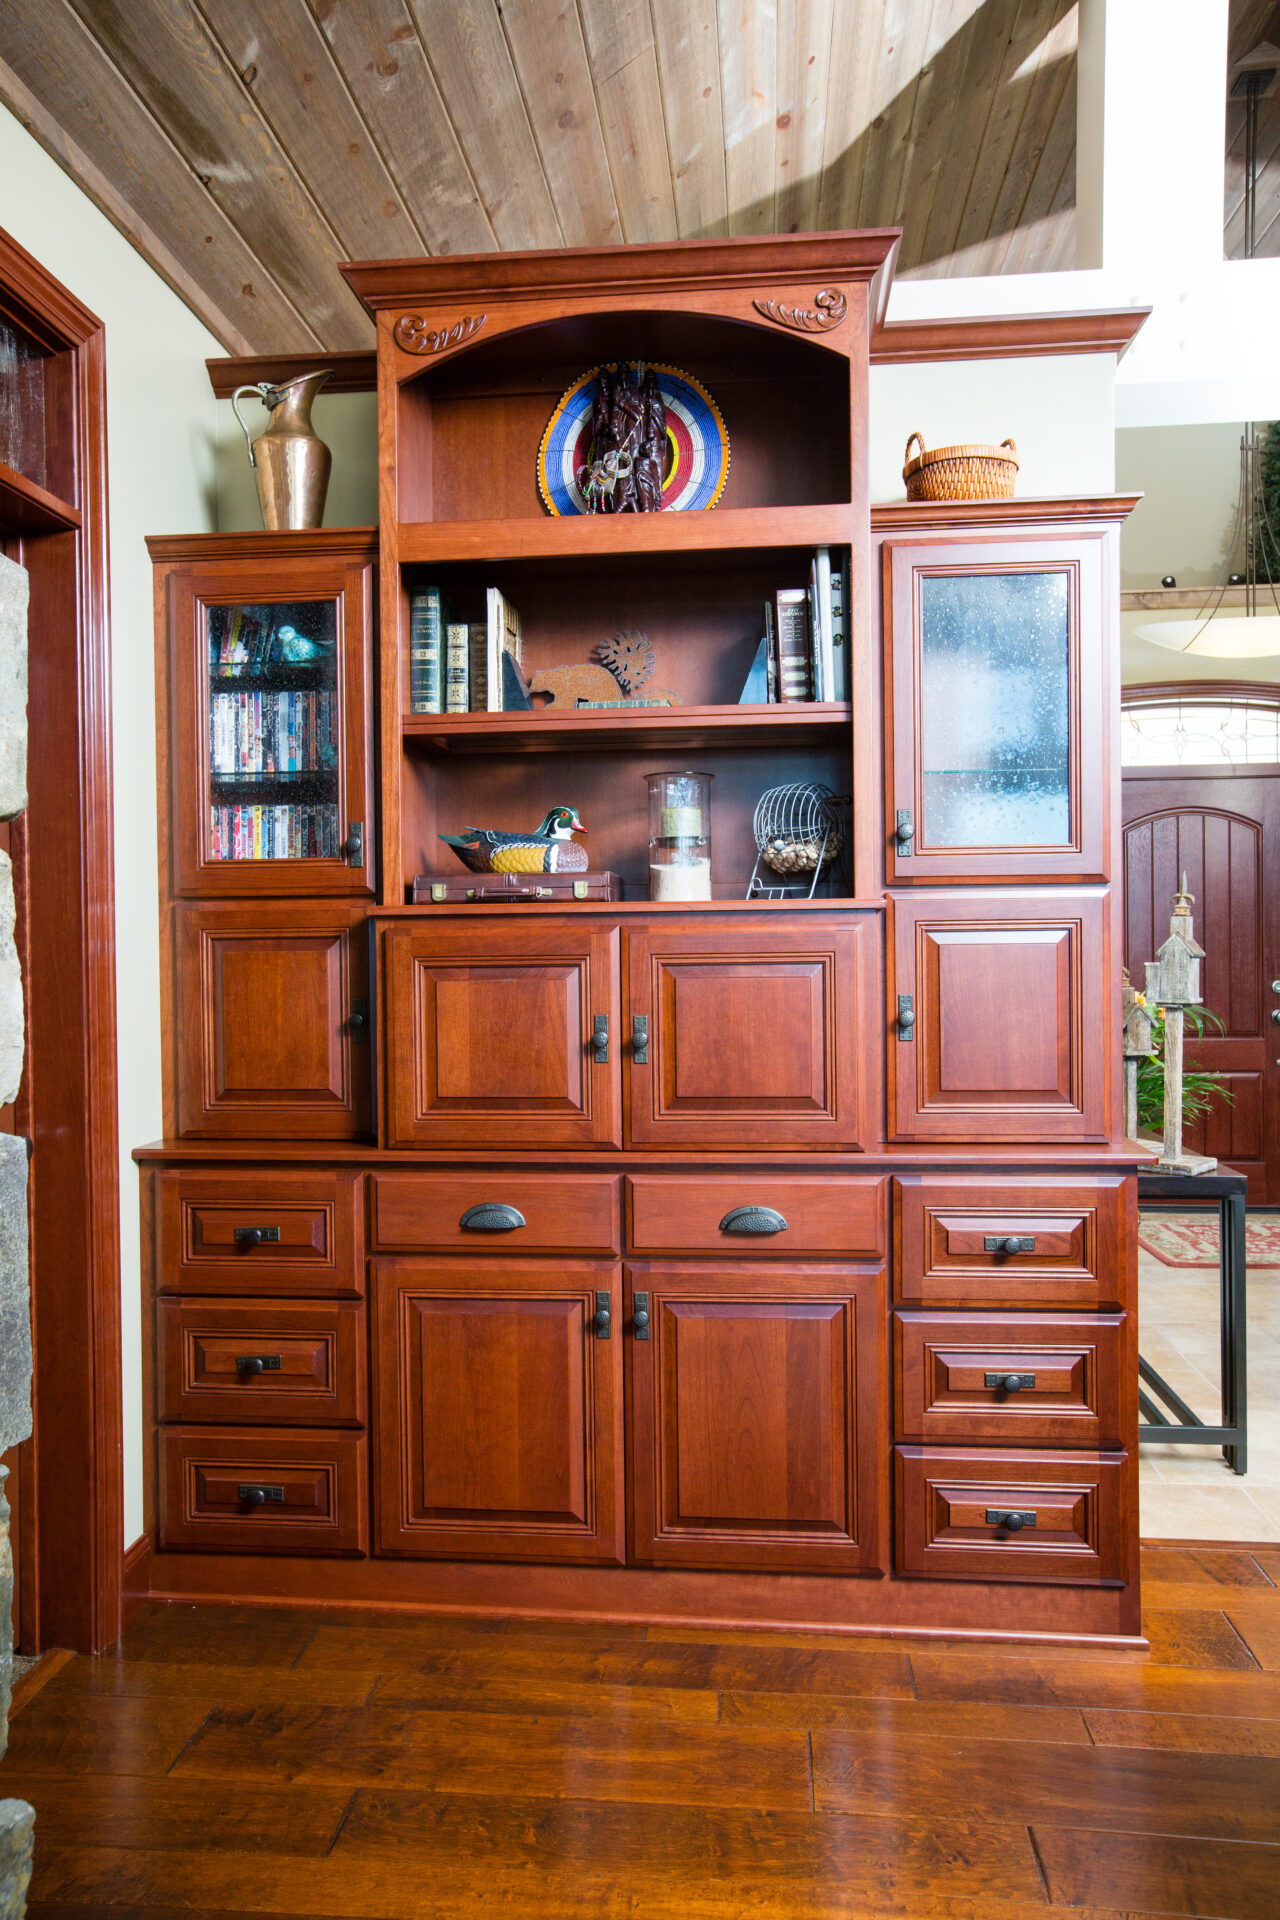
799,832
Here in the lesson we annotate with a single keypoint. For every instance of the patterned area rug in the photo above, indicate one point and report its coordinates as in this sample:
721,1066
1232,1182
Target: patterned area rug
1191,1239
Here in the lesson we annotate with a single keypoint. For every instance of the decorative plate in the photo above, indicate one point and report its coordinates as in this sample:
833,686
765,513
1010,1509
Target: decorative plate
697,445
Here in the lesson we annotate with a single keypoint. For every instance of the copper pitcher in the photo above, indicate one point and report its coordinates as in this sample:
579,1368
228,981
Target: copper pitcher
289,459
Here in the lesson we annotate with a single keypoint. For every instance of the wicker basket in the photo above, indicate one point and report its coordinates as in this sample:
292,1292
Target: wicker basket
960,473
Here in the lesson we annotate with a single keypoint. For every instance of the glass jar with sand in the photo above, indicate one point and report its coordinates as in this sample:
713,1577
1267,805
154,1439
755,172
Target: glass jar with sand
679,836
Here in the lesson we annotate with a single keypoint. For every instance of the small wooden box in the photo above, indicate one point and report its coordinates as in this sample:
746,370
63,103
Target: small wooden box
562,889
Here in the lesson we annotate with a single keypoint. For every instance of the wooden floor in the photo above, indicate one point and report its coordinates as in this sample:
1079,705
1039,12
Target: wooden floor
225,1763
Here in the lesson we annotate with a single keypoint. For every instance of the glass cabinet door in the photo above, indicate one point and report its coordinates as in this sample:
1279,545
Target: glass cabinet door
996,657
270,754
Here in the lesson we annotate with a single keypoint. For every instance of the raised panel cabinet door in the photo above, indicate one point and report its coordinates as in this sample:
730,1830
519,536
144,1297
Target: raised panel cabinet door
274,1021
498,1409
999,669
760,1036
492,1034
757,1417
1000,1022
270,758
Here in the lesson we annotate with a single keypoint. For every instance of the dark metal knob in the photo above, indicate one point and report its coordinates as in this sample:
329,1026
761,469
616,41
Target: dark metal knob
1012,1383
1010,1519
1012,1244
640,1320
359,1021
600,1037
253,1496
251,1363
1013,1521
601,1322
249,1236
904,832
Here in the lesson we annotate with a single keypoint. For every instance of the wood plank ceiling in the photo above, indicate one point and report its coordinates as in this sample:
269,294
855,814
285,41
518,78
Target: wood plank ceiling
1251,22
245,147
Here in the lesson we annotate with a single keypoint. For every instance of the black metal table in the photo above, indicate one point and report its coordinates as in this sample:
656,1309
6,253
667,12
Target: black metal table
1179,1193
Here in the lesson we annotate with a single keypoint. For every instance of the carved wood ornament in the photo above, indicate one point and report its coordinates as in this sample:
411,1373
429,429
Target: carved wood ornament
828,310
415,336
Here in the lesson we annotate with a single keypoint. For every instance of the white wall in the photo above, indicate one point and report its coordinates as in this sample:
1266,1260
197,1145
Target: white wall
346,422
161,427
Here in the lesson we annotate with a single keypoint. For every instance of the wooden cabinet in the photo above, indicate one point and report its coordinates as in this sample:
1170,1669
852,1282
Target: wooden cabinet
275,1029
1009,1380
269,661
755,1408
756,1036
1014,1516
1013,1239
249,1231
997,649
1002,1022
299,1363
498,1409
260,1490
491,1029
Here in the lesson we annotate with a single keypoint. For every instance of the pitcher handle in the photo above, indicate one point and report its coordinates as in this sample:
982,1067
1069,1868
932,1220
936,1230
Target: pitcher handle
259,394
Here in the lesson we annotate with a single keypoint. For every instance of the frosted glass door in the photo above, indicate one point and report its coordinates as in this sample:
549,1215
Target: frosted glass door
995,710
1000,660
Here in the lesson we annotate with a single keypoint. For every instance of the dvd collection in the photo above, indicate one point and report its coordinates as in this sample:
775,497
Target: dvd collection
259,832
257,733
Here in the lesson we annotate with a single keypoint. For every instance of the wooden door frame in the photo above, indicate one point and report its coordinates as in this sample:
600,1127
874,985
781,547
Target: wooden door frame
77,1547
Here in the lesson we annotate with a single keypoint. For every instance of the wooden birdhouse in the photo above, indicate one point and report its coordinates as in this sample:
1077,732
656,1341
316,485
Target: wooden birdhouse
1177,964
1137,1020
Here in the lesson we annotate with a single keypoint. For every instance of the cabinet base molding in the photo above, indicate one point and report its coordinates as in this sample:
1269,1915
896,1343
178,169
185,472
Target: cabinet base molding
659,1597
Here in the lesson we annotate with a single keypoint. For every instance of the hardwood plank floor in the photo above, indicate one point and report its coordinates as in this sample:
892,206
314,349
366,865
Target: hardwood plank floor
323,1765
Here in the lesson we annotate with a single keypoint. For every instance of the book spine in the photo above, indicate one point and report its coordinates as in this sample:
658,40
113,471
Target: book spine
457,667
425,684
824,644
771,651
477,666
795,680
839,629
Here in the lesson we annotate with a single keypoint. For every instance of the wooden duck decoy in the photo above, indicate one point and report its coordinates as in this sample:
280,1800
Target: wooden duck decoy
550,848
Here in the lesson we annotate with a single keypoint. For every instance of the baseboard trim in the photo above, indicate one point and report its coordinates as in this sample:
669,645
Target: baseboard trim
135,1586
28,1687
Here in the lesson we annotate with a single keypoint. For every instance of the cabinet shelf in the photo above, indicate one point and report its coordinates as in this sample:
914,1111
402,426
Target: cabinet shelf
594,729
590,535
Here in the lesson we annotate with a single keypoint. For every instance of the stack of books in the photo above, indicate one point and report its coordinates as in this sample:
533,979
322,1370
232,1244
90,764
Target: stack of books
458,666
804,650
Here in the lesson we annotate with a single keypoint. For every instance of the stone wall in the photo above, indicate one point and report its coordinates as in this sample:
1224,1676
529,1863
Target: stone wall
16,1818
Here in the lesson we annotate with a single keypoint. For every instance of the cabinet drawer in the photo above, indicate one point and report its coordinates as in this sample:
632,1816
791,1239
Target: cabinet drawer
953,1506
954,1242
1063,1374
310,1227
301,1363
569,1213
673,1214
312,1485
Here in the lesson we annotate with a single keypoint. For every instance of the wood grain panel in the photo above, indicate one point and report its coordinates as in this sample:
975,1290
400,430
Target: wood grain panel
1010,993
796,1002
1079,1228
946,1503
1070,1373
677,1213
498,1410
754,1407
489,1040
268,1045
311,1362
314,1481
317,1220
573,1212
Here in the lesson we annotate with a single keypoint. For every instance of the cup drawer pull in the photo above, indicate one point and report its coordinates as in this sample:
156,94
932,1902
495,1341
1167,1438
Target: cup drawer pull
1009,1243
254,1236
1012,1519
260,1496
492,1216
1010,1382
753,1220
256,1363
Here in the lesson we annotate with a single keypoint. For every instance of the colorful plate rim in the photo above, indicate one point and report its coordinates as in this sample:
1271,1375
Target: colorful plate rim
560,495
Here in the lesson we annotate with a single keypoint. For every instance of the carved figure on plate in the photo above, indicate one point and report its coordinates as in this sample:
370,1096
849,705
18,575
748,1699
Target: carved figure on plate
652,458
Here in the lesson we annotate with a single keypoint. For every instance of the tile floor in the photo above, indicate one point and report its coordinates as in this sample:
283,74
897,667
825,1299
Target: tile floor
1190,1493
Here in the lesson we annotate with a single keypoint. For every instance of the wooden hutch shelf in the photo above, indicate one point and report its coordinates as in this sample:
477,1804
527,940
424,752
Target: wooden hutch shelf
615,1258
595,730
606,535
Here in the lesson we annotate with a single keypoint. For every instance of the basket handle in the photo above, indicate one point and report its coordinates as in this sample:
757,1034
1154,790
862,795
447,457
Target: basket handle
1011,444
916,439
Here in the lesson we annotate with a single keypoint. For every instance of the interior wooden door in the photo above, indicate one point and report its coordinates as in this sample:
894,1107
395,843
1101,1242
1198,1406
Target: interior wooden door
1222,828
491,1030
756,1399
1002,1019
498,1408
757,1036
274,1039
997,653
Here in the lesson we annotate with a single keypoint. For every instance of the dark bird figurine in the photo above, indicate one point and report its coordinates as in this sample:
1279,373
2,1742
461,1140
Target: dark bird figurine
550,848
